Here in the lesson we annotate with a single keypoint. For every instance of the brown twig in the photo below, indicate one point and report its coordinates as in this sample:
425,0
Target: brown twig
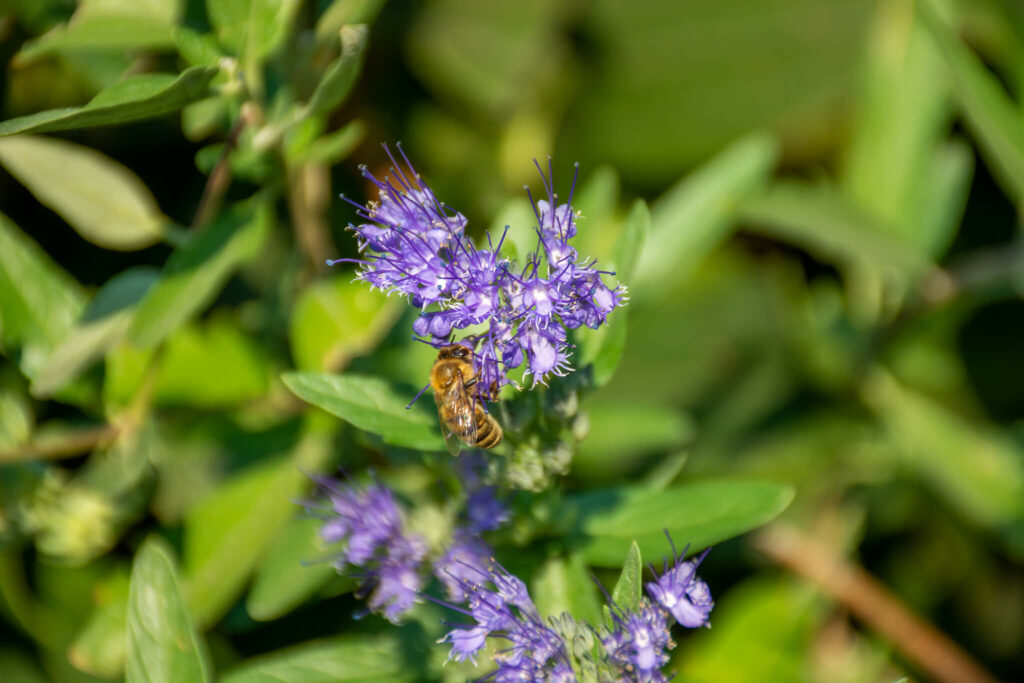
68,445
872,603
220,176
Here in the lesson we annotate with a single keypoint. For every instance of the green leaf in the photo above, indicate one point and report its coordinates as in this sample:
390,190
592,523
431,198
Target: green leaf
749,64
198,49
972,466
342,12
697,214
699,515
631,242
104,322
162,643
295,568
197,270
99,648
372,404
336,319
563,584
334,147
102,200
133,99
211,365
337,80
903,119
773,622
252,28
821,221
993,118
629,589
96,31
489,58
227,533
622,430
363,658
39,302
603,347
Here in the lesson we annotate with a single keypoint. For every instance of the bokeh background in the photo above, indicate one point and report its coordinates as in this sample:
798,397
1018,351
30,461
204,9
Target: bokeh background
828,297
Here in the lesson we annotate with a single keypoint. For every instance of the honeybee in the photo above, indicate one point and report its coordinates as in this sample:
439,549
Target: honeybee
463,419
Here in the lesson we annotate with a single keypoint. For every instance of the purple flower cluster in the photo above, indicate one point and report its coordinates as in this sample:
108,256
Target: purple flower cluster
635,648
369,523
414,245
502,608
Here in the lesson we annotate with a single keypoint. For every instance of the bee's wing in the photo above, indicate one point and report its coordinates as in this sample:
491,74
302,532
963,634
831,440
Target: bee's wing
461,427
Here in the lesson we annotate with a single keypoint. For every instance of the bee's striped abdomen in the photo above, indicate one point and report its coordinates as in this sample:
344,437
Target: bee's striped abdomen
488,431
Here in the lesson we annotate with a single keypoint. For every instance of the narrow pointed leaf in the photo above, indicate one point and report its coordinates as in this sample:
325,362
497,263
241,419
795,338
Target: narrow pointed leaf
696,214
133,99
992,116
699,514
366,659
629,589
103,323
337,81
372,404
163,646
102,200
197,270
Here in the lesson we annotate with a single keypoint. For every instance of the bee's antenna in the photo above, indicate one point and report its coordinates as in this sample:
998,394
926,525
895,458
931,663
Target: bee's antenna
417,396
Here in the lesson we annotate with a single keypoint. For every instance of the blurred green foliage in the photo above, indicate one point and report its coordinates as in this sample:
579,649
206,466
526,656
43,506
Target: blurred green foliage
825,315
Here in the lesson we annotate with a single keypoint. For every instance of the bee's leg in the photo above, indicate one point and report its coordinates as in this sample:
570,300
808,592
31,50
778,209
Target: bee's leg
470,382
494,390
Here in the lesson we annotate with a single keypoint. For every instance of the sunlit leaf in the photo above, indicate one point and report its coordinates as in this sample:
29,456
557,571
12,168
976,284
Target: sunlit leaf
372,404
563,584
133,99
630,586
252,28
103,323
227,533
367,659
101,199
211,365
100,646
773,623
336,319
698,514
295,568
101,32
334,147
39,302
342,12
697,213
163,645
337,80
197,270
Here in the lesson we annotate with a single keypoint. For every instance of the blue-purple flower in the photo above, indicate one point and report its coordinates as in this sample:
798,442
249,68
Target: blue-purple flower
680,591
414,245
635,648
368,522
639,643
501,607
